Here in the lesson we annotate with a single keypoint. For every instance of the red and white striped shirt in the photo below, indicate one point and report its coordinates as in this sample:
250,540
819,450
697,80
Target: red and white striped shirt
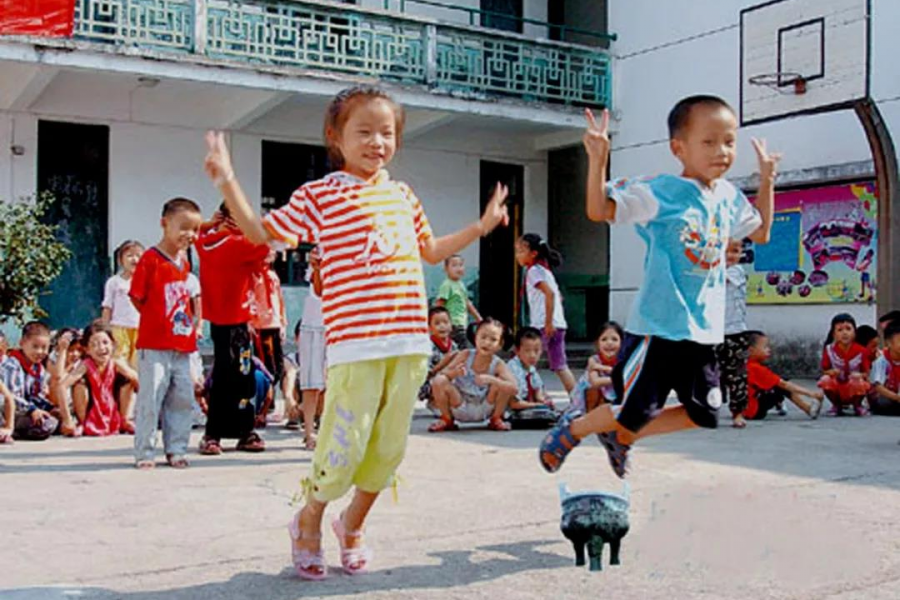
370,235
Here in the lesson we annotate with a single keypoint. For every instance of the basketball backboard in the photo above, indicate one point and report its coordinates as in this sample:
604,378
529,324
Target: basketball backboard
803,56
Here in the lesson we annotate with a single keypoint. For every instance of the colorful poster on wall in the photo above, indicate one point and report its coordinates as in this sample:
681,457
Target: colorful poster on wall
37,17
823,248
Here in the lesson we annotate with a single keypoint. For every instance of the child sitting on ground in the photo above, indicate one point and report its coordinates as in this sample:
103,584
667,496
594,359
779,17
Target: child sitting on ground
67,351
765,389
477,384
91,383
885,376
24,375
594,387
845,366
523,367
443,350
453,296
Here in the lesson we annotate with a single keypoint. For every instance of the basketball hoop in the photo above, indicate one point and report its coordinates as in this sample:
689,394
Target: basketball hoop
778,81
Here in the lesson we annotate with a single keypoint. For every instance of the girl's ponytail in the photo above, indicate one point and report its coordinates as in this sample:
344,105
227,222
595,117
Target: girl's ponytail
545,254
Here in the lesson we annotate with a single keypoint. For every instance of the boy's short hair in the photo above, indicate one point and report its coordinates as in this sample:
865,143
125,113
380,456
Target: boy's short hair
891,330
527,333
34,329
177,205
888,318
680,115
437,310
753,337
865,334
451,257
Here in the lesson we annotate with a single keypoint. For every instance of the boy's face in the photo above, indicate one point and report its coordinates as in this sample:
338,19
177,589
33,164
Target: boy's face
489,339
529,351
180,229
707,145
456,268
36,347
761,350
440,325
844,333
872,347
893,345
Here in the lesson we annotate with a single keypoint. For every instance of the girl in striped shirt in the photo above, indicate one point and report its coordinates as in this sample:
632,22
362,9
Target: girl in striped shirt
372,234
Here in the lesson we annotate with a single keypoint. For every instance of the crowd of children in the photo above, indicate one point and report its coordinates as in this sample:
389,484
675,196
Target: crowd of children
368,338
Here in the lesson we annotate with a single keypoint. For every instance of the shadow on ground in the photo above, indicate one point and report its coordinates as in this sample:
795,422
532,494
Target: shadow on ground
455,570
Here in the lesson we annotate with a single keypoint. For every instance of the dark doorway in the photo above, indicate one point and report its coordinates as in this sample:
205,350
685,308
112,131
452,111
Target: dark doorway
496,9
498,277
73,165
556,15
285,167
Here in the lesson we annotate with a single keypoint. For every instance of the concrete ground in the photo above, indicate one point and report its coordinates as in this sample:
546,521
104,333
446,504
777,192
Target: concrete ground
787,508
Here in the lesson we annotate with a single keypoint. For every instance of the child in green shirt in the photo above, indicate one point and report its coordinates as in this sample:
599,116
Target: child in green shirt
453,296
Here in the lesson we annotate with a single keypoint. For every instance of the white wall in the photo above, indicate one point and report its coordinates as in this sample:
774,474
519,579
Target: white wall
668,50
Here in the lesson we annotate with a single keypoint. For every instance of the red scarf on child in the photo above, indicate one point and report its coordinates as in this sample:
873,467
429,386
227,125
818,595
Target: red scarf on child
33,370
103,416
443,345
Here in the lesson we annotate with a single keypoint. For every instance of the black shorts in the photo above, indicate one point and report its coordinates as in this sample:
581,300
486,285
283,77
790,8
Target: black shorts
651,367
766,400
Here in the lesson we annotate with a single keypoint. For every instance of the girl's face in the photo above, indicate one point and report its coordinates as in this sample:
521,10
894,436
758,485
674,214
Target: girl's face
489,339
609,342
368,139
100,347
844,333
525,256
129,259
440,325
74,354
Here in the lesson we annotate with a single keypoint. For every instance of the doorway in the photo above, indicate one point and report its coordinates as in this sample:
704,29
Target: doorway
73,165
496,9
498,278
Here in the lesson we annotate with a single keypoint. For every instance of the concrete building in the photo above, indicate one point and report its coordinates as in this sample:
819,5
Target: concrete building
111,119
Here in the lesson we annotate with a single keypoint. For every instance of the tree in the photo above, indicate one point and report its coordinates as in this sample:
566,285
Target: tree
30,257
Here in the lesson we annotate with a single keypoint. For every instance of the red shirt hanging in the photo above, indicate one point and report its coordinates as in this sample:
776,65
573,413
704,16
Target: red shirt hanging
37,17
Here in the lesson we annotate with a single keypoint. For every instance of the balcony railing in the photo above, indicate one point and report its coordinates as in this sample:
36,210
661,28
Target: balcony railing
318,35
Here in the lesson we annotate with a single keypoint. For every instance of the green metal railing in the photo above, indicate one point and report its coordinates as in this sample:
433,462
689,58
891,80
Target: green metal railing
319,35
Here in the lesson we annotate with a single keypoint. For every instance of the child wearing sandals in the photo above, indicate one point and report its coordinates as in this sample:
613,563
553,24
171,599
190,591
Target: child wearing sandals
845,367
679,313
443,350
766,390
167,337
595,387
372,234
476,385
91,383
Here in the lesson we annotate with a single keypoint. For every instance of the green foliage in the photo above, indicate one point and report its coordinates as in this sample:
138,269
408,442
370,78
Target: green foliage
30,257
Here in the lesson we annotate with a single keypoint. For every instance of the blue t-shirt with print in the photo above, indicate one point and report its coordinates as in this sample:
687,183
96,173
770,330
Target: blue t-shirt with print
686,227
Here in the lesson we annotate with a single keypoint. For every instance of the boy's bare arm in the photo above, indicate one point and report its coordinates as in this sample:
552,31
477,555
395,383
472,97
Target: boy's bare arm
598,206
885,392
218,167
472,310
765,199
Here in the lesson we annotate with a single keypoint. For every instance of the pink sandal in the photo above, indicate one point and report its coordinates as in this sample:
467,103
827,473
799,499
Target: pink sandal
355,561
309,565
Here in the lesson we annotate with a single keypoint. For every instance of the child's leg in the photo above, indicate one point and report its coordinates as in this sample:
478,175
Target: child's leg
733,373
126,401
178,406
567,379
155,379
308,407
446,396
593,398
602,420
556,356
499,400
80,401
799,402
287,391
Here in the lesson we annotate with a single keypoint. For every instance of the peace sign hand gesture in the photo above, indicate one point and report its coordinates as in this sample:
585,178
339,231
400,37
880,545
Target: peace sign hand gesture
218,161
596,138
496,211
768,163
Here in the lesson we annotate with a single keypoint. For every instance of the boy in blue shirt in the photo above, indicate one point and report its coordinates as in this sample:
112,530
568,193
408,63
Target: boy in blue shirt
679,314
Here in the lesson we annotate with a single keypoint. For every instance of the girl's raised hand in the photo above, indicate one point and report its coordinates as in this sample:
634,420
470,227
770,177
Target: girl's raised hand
596,138
218,161
496,211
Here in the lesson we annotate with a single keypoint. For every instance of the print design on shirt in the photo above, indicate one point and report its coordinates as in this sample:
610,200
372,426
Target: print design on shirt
385,241
704,251
178,298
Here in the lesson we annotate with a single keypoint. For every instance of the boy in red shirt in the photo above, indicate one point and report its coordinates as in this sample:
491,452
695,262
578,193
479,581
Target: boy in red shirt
166,338
228,261
885,374
765,389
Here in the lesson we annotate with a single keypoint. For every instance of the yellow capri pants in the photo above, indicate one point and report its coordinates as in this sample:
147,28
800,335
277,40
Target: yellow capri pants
365,424
126,344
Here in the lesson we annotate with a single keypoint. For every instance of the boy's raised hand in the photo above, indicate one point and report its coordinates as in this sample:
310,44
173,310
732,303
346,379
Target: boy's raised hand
768,163
218,161
496,211
596,138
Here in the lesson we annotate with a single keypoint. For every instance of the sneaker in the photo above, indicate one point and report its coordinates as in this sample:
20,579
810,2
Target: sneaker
815,407
780,410
834,411
860,411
